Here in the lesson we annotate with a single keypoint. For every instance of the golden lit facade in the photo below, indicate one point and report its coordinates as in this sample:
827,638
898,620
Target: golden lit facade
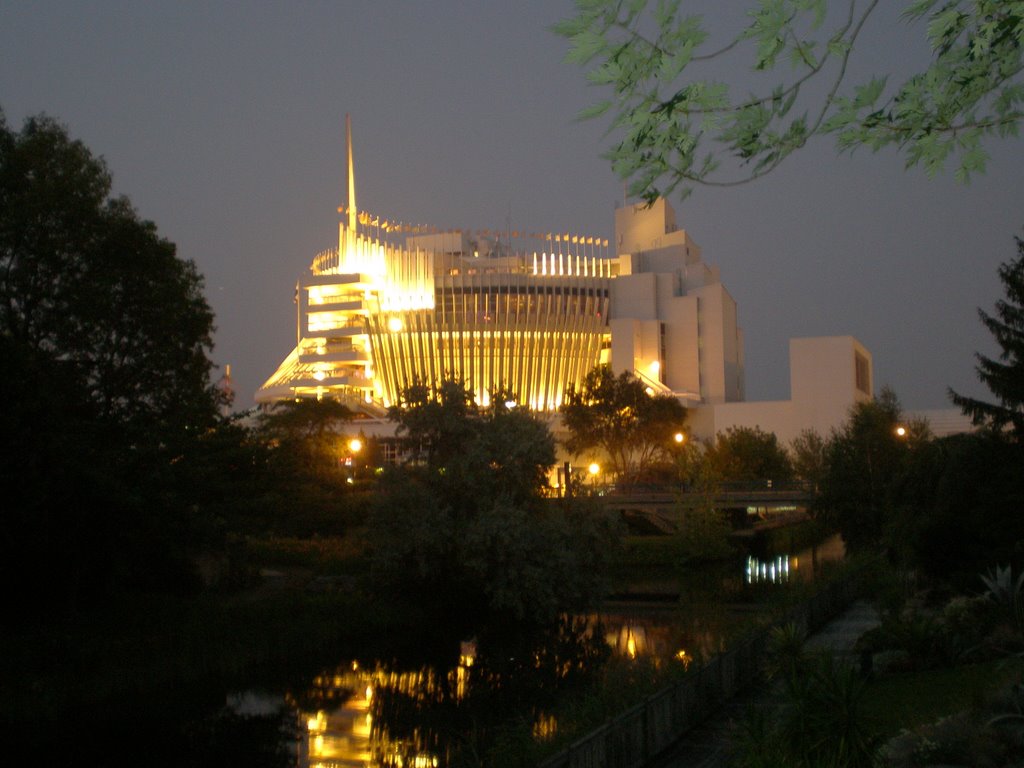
396,305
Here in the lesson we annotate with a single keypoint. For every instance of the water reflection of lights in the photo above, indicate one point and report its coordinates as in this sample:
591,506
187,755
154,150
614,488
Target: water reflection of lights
545,727
342,732
629,641
776,571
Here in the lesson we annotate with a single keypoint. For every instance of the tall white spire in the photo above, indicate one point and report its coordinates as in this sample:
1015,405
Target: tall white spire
351,176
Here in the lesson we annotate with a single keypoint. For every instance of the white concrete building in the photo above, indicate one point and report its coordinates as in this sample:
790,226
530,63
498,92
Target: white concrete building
672,320
669,306
828,375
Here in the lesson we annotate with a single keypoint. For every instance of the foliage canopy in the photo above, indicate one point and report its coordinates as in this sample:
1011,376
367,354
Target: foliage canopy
104,334
745,454
866,462
87,283
678,120
462,526
617,415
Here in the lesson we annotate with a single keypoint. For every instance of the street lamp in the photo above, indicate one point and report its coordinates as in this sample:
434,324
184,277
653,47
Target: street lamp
355,445
594,469
901,431
680,438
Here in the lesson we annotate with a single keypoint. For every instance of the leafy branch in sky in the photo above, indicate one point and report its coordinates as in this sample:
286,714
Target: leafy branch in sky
675,126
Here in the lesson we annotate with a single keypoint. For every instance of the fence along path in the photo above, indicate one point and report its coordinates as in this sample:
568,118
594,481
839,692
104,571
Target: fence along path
640,734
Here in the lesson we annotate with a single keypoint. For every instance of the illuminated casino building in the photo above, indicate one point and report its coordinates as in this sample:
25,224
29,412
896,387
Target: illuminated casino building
522,313
529,314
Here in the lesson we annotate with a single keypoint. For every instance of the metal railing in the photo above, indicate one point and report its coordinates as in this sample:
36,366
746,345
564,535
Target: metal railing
641,733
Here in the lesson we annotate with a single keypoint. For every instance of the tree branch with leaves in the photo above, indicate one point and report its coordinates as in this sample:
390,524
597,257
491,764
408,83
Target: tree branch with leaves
676,128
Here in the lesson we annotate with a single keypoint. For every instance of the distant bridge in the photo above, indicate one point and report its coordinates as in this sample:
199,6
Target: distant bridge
747,494
665,507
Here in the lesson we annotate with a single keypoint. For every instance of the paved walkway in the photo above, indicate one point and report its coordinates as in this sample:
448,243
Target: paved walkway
705,746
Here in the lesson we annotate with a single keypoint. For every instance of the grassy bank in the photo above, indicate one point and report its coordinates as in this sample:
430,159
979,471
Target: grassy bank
910,699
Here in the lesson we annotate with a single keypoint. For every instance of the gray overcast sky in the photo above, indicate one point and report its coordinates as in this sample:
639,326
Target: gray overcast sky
224,124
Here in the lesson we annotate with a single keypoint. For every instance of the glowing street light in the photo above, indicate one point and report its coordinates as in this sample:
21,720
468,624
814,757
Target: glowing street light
680,438
901,431
355,445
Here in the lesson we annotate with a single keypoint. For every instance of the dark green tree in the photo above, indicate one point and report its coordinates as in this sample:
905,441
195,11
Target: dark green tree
85,280
867,459
470,452
808,451
959,511
107,383
1004,377
462,528
307,438
748,454
677,121
616,415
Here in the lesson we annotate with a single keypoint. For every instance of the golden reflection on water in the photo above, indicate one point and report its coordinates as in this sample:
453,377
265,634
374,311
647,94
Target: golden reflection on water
338,708
343,733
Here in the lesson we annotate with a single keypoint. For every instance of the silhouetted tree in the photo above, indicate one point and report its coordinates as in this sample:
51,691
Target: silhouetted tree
462,527
616,415
748,454
866,462
1003,377
959,507
107,384
84,280
306,437
808,451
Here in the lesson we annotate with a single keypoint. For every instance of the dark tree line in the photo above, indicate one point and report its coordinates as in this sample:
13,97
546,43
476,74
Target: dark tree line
949,507
464,528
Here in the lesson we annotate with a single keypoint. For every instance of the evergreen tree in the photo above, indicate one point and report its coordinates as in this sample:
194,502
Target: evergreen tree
1004,377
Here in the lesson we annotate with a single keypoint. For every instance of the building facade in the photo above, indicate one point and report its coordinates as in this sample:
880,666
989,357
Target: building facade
523,314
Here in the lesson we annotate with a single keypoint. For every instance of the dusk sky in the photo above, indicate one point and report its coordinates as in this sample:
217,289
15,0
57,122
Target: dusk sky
224,124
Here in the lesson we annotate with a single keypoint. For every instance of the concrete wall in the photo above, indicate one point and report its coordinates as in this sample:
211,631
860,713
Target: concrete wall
823,385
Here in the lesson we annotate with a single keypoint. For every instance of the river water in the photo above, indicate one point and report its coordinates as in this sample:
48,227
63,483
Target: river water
361,714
